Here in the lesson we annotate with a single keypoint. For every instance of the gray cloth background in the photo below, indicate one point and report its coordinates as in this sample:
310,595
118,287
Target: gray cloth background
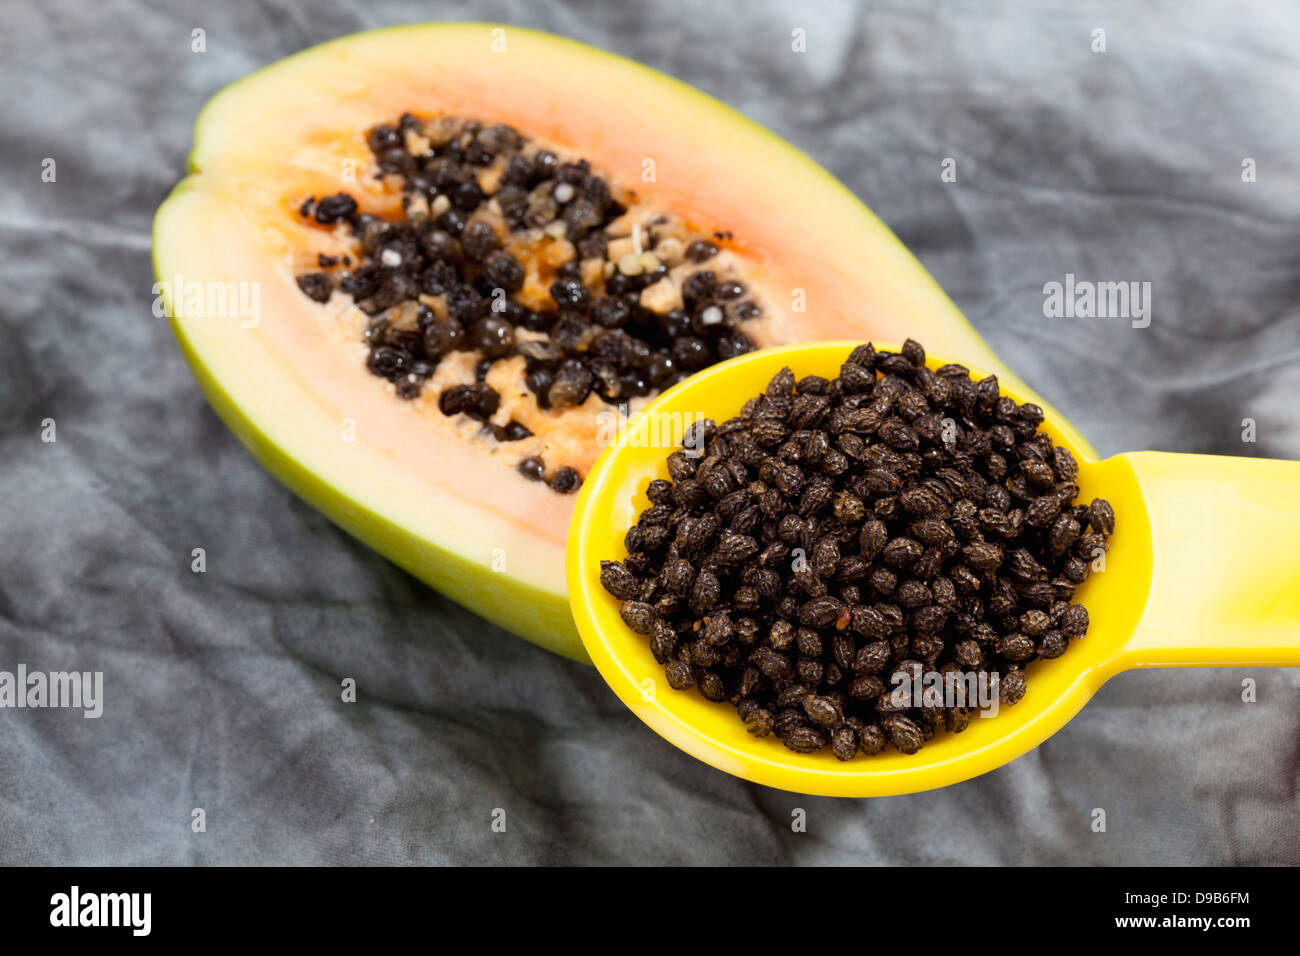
222,689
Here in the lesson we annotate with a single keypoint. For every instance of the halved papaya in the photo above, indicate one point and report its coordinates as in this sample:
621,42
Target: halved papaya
438,490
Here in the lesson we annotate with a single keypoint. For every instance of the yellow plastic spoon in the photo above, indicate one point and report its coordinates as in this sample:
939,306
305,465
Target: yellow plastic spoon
1203,569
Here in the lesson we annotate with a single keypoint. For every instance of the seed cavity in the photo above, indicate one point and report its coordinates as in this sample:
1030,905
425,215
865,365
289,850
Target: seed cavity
507,248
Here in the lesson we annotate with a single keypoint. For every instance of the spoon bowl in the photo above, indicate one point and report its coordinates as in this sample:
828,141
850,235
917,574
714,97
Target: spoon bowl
1201,570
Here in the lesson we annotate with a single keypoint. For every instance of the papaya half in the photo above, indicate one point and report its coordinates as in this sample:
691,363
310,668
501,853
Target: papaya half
414,270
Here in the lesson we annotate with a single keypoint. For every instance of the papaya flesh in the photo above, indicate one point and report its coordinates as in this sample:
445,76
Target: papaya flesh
288,375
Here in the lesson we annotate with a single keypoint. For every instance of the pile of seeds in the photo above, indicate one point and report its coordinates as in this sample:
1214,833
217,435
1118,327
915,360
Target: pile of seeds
507,250
840,534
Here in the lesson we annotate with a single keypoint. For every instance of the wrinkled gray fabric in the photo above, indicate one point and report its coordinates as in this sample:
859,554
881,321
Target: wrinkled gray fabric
222,689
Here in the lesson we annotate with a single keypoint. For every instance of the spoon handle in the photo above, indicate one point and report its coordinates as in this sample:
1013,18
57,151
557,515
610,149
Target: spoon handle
1225,561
